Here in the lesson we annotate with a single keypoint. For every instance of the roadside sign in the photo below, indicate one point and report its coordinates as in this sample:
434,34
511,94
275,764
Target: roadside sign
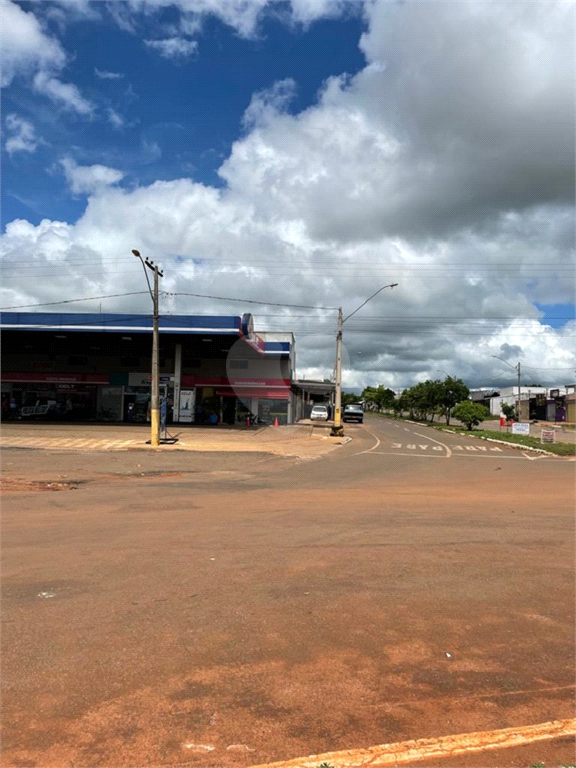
186,405
548,436
520,429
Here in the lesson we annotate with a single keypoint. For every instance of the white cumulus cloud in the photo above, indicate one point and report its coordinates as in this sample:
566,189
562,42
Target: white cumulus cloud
89,178
24,47
22,135
26,50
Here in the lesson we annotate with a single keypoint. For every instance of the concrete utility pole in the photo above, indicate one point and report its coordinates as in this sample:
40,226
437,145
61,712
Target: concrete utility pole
338,429
518,414
155,394
518,370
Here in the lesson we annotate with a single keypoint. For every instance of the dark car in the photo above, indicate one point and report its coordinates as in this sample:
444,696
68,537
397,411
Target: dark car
353,413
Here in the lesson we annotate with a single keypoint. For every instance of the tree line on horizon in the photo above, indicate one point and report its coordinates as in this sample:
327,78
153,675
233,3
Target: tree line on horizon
421,401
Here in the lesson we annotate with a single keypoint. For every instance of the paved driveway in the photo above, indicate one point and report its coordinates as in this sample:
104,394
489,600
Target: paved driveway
192,609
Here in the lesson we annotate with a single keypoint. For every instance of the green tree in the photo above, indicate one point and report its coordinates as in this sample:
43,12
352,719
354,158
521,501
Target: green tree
380,396
509,411
451,392
386,397
349,397
469,413
425,398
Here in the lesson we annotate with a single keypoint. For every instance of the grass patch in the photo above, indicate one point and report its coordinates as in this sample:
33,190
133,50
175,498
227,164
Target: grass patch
560,449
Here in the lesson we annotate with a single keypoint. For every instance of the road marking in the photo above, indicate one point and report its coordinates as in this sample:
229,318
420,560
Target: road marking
532,458
443,455
413,446
374,446
412,455
402,752
446,448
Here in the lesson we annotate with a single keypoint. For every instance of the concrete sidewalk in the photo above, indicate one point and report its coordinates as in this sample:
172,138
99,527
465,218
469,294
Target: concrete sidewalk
301,440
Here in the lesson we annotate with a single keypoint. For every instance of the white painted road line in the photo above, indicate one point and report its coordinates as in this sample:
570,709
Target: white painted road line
374,446
416,455
427,437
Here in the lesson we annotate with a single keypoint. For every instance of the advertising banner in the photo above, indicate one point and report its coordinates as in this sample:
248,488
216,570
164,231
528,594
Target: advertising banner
186,405
548,436
520,429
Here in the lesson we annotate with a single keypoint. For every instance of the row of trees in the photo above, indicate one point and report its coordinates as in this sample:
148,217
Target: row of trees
422,400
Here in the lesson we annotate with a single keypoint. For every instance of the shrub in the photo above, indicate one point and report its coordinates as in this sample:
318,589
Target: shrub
471,414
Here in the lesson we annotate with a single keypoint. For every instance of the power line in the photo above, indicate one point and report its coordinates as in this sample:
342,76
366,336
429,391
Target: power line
71,301
535,368
247,301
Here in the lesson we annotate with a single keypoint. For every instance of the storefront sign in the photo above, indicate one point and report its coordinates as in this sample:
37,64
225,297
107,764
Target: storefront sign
95,378
186,405
520,429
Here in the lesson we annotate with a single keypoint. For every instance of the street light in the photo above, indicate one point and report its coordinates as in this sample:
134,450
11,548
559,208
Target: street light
441,370
155,394
338,429
518,371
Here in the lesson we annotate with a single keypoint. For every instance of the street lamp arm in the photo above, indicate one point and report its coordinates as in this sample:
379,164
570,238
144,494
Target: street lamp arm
392,285
137,254
337,429
514,368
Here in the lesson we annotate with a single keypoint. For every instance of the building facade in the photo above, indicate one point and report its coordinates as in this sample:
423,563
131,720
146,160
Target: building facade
536,403
213,368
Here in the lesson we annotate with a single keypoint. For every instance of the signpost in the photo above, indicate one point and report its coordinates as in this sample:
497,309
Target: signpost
520,429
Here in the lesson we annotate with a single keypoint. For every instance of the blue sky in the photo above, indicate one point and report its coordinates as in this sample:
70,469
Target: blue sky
303,152
179,115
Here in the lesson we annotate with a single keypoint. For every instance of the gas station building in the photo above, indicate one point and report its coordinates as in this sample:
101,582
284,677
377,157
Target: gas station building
96,367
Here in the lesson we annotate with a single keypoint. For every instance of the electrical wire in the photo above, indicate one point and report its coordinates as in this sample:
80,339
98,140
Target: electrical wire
247,301
71,301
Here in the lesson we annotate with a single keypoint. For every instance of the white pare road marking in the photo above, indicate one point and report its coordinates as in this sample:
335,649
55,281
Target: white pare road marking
374,446
403,752
427,437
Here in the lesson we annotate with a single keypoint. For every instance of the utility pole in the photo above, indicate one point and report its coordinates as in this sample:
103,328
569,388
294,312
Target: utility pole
155,394
519,393
518,370
338,429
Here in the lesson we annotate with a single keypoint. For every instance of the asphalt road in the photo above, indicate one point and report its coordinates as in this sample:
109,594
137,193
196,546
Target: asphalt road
233,609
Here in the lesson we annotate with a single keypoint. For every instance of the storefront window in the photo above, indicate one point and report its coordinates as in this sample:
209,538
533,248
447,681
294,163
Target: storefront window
269,410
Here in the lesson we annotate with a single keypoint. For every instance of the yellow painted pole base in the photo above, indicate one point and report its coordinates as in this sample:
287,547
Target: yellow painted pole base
155,427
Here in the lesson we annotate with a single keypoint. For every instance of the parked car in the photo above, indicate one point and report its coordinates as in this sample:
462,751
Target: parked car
319,413
353,412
